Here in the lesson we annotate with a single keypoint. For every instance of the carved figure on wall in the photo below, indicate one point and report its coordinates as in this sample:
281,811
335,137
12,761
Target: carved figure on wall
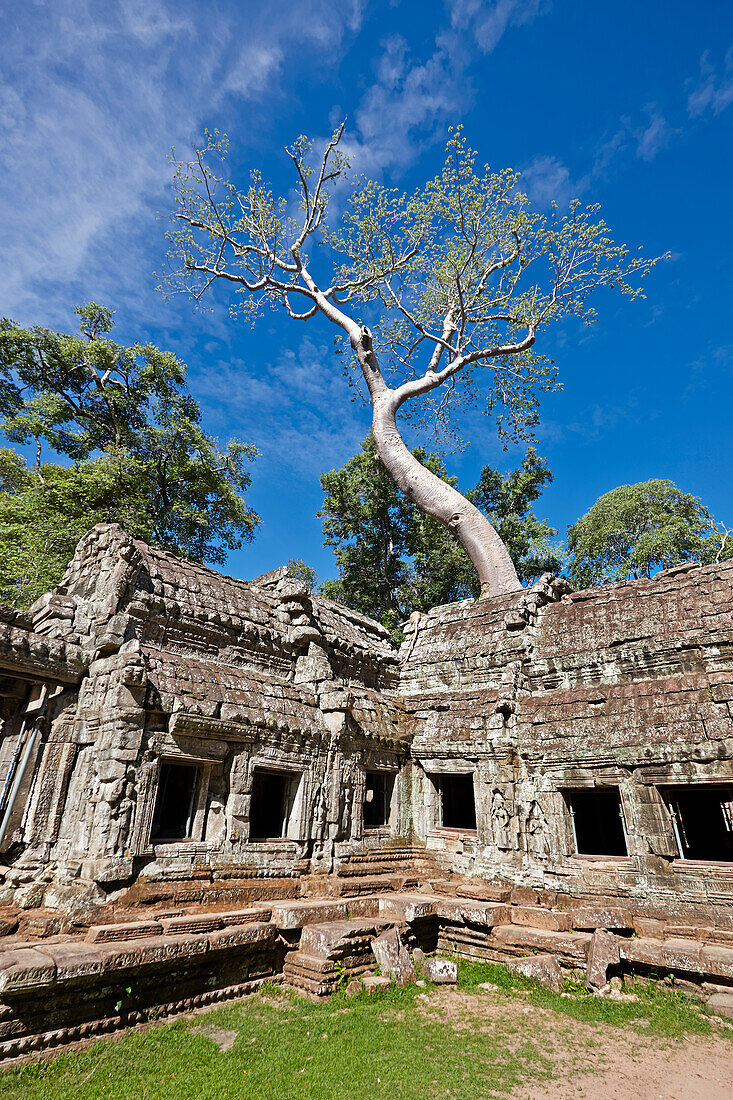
501,823
536,831
345,801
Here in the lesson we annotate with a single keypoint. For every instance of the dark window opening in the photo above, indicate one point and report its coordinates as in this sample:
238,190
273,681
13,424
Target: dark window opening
377,799
702,817
457,804
272,798
175,802
598,825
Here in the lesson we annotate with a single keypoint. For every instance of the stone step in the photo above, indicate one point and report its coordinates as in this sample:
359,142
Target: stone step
335,938
297,914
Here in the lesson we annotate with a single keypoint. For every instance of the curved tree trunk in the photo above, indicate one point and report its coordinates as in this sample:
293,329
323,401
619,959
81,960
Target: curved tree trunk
478,538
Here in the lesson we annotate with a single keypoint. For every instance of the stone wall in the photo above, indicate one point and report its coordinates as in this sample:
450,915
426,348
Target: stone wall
534,710
623,688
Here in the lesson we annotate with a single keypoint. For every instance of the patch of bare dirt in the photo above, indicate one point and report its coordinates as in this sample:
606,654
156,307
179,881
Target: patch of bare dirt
593,1062
222,1036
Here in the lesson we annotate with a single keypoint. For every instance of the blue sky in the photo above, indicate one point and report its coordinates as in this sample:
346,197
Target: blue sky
625,103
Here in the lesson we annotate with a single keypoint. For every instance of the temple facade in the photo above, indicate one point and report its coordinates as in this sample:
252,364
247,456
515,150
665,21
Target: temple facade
163,723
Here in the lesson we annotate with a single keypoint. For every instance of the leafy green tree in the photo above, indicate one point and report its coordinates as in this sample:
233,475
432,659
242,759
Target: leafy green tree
299,569
635,530
44,512
393,558
139,454
460,281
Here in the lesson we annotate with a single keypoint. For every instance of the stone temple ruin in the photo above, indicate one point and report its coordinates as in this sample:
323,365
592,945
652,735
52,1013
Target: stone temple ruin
206,782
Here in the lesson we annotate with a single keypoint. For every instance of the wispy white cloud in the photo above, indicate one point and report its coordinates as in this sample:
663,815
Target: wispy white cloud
93,97
295,409
547,179
412,99
713,90
489,22
653,135
409,104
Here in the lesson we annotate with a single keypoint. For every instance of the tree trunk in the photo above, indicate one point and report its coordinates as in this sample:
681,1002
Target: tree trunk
478,538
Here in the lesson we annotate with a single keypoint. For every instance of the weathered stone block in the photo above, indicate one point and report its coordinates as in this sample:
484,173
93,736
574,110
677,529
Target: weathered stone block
393,958
717,961
721,1004
604,951
405,908
590,917
569,945
483,915
440,971
374,982
240,935
541,968
524,895
111,933
74,960
535,917
24,969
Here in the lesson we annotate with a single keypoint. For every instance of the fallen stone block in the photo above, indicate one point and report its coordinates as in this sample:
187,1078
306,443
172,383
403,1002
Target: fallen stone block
672,954
541,968
393,958
440,971
373,982
604,951
721,1004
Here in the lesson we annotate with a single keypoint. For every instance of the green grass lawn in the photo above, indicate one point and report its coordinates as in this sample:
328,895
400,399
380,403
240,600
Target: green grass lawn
400,1043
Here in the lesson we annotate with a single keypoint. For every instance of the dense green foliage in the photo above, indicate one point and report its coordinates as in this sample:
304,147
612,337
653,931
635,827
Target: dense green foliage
137,454
635,530
394,559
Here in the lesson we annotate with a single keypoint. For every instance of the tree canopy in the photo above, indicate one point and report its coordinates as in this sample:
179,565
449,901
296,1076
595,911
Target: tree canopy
458,280
136,449
635,530
394,559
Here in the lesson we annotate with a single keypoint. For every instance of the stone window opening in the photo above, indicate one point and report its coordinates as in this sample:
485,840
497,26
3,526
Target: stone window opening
456,803
272,807
597,821
377,799
175,802
702,819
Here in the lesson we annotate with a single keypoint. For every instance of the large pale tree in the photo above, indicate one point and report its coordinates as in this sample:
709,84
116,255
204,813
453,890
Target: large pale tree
441,294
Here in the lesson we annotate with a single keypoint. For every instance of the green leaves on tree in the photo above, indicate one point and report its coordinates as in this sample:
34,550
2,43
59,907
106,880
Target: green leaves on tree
636,530
138,453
